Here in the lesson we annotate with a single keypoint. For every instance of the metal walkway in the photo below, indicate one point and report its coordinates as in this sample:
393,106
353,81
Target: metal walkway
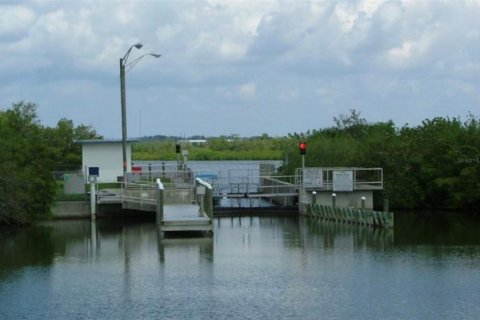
185,203
185,218
184,208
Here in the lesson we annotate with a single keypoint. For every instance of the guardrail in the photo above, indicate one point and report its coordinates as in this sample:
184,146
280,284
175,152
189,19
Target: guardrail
168,177
139,196
278,190
254,184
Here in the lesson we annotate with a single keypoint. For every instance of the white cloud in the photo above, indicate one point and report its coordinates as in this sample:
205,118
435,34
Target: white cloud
346,17
245,54
248,91
400,55
124,13
15,19
369,7
168,32
231,49
55,23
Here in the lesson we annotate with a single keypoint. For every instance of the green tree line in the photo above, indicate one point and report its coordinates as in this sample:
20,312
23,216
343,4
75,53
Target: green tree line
434,165
29,153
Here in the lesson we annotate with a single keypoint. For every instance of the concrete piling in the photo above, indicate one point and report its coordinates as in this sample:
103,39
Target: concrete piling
93,200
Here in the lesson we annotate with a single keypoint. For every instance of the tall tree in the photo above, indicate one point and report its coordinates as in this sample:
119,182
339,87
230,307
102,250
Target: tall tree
27,187
63,137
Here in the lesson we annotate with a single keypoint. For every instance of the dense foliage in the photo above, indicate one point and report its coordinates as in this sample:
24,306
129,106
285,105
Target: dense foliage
433,165
62,138
29,153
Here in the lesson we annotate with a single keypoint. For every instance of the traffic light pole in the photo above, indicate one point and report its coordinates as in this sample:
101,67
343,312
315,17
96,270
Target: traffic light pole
303,167
302,146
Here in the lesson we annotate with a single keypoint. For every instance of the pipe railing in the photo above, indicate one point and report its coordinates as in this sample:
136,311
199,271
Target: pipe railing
159,201
362,178
204,192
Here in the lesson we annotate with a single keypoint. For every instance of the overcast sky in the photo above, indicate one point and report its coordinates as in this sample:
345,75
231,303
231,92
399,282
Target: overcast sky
240,67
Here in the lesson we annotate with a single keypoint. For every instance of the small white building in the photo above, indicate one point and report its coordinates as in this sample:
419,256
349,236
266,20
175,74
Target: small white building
107,156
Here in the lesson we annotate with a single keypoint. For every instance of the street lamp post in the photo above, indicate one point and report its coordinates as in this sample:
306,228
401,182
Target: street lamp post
123,64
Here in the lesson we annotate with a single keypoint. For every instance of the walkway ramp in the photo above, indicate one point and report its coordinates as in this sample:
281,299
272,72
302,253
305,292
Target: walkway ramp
184,217
184,208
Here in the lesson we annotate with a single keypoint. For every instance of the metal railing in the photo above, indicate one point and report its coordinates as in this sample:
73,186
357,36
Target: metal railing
204,194
142,194
327,178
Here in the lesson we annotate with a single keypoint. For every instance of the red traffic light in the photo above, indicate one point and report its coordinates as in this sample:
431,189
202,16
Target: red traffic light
302,146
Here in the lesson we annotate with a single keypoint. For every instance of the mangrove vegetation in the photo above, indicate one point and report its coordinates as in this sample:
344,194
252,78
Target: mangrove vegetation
29,154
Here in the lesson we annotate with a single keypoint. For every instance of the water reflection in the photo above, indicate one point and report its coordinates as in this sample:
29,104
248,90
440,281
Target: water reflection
340,234
37,242
125,240
252,267
193,247
436,229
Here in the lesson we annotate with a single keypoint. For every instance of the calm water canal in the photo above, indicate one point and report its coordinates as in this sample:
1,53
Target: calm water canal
251,268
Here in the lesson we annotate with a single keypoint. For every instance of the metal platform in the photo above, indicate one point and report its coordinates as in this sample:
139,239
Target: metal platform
180,217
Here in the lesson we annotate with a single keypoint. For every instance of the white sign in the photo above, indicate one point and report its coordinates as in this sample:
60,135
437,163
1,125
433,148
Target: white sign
343,180
313,177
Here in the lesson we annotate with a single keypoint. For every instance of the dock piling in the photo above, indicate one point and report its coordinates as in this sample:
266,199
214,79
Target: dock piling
159,202
93,202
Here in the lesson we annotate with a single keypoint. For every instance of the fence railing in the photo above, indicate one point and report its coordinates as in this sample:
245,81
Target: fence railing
141,194
340,179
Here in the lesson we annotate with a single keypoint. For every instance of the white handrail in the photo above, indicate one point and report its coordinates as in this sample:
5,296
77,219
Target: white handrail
204,183
159,184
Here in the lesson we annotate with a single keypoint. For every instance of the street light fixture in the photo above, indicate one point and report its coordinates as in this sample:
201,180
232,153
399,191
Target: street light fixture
123,64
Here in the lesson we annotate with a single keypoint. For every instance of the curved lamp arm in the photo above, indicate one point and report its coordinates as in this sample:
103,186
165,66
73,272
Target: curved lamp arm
134,62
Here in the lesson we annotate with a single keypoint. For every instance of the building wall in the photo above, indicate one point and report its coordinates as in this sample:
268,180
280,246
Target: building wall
108,157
